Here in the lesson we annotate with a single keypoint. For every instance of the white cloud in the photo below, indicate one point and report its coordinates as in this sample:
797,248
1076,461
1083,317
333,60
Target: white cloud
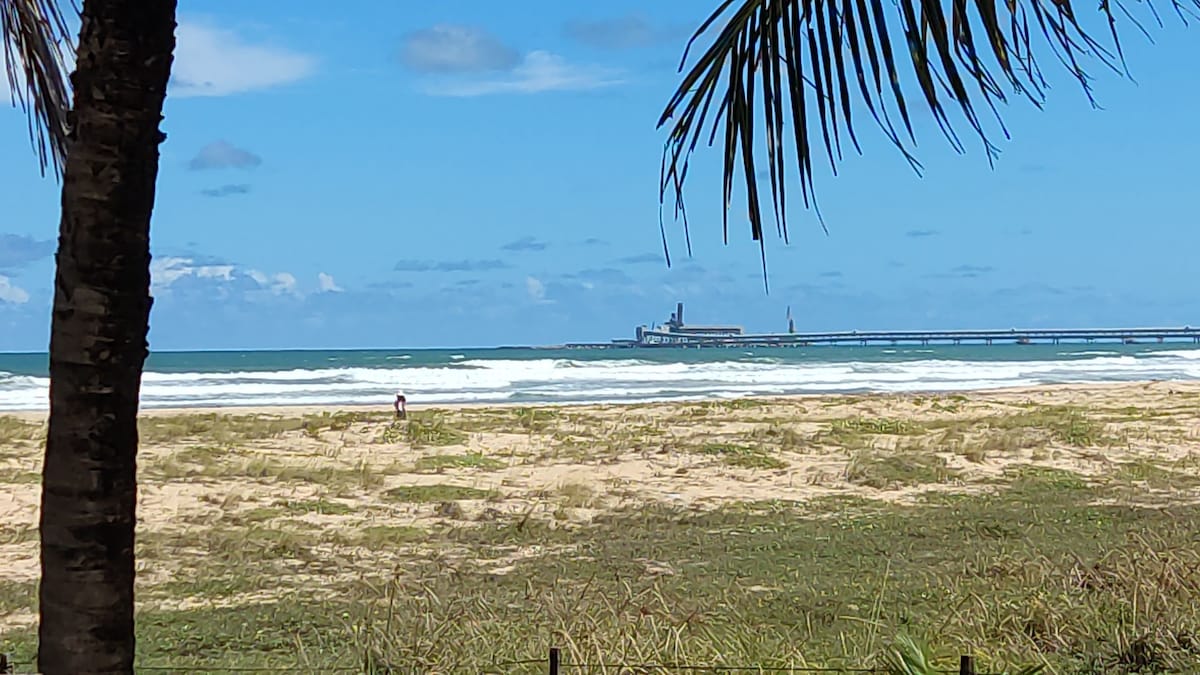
10,294
211,61
448,48
222,272
279,283
536,289
540,71
327,284
223,155
168,271
283,282
215,62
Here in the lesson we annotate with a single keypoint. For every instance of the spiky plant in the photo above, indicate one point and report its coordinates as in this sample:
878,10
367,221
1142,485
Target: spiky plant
910,657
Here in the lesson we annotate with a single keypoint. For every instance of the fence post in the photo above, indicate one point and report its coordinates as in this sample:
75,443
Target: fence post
966,665
554,661
5,666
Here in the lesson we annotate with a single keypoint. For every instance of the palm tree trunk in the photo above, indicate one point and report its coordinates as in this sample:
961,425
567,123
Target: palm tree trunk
98,336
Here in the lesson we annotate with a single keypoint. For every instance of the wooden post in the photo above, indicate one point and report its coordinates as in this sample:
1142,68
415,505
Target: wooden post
5,666
554,660
966,665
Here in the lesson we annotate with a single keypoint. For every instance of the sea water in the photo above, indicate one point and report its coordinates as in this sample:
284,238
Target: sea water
331,378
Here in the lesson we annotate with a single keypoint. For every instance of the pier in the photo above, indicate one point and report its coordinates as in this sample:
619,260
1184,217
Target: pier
677,334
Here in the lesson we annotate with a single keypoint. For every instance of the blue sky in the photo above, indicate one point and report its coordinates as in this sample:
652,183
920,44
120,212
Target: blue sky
475,173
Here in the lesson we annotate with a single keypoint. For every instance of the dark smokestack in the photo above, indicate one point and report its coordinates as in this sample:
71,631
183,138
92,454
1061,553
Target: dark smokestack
679,313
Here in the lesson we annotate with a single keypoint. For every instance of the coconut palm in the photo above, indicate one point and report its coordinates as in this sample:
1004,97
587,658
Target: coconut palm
810,68
106,147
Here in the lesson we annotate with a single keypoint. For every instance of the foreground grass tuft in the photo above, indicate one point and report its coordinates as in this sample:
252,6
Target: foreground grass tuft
440,463
422,494
424,431
885,472
317,547
742,456
15,430
1036,572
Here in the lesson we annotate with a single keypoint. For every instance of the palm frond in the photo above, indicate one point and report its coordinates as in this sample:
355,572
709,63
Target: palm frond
36,40
780,66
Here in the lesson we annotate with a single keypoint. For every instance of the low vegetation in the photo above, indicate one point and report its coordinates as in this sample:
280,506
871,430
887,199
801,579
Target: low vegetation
743,457
817,533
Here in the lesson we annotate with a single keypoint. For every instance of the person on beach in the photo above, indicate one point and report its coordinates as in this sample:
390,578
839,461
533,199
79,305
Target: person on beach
401,406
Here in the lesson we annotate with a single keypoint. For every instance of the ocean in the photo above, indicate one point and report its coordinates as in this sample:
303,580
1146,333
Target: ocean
449,376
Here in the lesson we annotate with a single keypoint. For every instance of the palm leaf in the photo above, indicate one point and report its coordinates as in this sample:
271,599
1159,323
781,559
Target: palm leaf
36,41
828,56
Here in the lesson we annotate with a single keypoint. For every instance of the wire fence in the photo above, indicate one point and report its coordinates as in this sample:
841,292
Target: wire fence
553,663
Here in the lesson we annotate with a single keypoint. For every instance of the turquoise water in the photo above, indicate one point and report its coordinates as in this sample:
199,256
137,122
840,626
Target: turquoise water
545,375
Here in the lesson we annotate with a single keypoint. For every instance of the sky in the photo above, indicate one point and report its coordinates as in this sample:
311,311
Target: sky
479,173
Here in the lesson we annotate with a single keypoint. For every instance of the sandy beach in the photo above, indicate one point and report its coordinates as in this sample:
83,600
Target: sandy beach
328,497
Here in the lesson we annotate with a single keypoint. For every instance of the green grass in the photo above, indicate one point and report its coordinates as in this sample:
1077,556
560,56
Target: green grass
1064,424
535,419
17,596
422,494
378,537
338,478
783,437
577,496
192,462
224,429
1026,477
1138,476
1045,565
743,403
313,425
221,463
431,430
214,428
860,425
1003,442
319,506
440,463
859,433
884,472
1031,428
24,478
15,430
1036,571
20,534
742,456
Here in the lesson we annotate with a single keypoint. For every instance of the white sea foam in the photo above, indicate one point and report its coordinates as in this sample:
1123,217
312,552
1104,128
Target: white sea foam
477,380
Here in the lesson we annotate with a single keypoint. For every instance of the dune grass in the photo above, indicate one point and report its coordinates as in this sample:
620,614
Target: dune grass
351,564
1036,572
